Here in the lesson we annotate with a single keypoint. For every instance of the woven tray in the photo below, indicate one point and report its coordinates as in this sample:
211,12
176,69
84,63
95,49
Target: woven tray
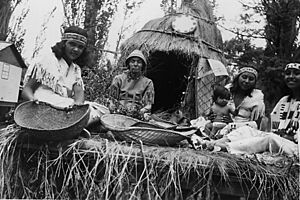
133,130
46,122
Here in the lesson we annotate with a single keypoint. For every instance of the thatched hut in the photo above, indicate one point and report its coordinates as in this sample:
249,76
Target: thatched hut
179,47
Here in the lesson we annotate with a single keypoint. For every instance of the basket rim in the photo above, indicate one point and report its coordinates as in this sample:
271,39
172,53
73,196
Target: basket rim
47,104
121,129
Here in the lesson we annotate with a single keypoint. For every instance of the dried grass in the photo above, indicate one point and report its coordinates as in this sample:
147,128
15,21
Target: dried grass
158,35
101,169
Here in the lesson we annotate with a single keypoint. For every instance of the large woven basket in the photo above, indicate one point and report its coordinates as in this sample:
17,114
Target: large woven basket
45,122
133,130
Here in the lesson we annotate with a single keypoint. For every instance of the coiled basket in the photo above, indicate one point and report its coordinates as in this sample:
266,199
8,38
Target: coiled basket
129,129
45,122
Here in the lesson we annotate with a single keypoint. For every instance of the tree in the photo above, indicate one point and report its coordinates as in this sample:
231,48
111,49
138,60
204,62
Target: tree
7,7
16,31
12,31
240,50
281,30
129,8
40,39
169,6
95,16
282,20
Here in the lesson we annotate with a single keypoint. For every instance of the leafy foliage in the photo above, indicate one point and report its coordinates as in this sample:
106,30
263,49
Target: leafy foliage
7,7
16,30
95,16
240,50
169,6
97,82
281,30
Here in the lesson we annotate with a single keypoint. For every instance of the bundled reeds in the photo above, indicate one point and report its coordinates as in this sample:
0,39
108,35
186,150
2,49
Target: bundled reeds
102,169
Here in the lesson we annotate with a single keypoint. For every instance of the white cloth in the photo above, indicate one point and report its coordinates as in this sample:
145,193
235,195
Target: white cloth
247,105
246,140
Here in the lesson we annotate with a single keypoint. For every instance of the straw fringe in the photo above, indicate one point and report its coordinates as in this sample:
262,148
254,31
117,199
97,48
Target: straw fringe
99,169
158,35
46,78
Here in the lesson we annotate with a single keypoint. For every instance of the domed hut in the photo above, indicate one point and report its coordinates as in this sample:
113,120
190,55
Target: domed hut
184,57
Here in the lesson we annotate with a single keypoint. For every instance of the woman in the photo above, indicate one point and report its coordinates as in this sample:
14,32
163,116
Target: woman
285,124
56,77
248,101
131,92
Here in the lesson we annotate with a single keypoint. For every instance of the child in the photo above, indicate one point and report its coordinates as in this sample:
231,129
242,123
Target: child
220,111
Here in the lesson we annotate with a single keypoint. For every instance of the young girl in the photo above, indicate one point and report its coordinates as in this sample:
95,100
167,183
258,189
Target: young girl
220,111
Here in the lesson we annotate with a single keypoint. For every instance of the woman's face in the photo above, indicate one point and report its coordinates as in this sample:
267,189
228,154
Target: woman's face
73,49
246,80
292,78
135,65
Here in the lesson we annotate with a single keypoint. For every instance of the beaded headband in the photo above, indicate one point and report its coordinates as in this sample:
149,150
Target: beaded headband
292,66
74,36
250,70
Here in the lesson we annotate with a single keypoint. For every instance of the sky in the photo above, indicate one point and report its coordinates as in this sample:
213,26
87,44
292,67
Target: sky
40,9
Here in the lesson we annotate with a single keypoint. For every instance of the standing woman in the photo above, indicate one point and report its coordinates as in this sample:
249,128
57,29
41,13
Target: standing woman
56,77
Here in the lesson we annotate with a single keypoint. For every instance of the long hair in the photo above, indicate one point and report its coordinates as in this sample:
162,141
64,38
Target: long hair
59,49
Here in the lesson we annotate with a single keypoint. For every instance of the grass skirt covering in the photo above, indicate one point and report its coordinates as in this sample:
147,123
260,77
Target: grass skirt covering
101,169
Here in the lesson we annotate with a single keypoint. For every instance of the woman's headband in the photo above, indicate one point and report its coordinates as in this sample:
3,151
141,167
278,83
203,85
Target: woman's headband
74,36
250,70
292,66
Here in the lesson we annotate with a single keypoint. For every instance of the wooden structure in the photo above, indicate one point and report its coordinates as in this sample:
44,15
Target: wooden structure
12,67
184,51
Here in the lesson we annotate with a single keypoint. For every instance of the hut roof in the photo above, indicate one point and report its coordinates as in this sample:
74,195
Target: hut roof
10,54
159,35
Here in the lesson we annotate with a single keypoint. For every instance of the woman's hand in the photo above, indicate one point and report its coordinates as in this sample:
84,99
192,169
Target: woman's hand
78,95
29,89
258,112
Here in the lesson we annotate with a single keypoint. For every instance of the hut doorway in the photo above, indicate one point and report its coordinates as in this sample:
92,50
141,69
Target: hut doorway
169,73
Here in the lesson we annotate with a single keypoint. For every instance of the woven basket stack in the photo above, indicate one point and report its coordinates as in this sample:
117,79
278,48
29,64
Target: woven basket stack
128,129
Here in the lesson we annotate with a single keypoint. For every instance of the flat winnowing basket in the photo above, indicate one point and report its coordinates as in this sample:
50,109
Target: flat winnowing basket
45,122
123,129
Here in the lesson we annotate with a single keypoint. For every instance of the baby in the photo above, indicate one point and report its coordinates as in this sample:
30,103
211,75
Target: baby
220,111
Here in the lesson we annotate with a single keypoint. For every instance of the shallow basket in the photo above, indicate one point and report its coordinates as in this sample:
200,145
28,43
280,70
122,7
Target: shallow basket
127,129
45,122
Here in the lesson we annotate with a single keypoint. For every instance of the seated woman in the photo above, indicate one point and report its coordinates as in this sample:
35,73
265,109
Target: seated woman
131,92
248,101
56,77
285,124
